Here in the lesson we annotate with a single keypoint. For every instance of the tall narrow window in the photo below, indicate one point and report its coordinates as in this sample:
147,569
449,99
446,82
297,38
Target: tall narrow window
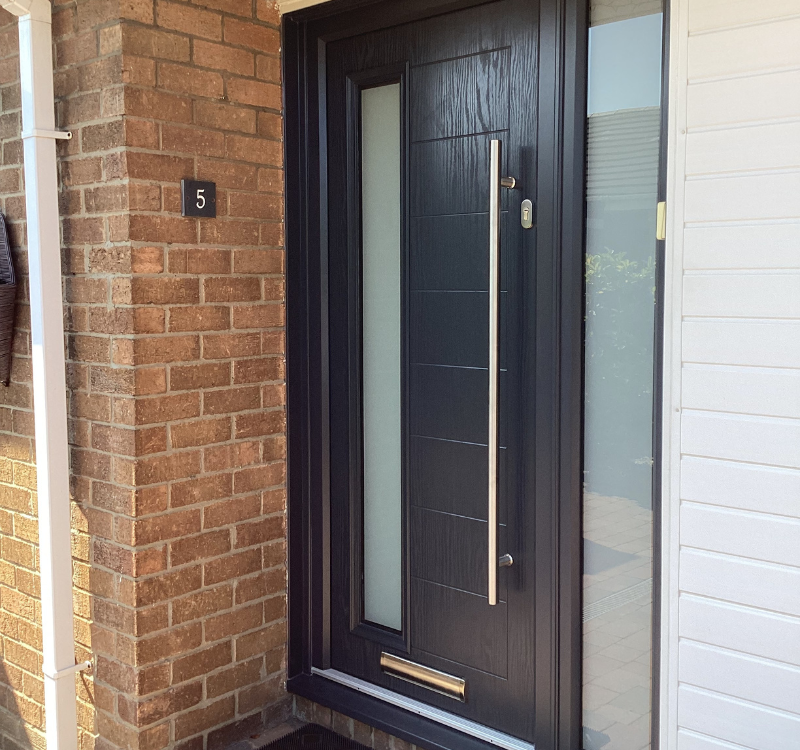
381,354
624,93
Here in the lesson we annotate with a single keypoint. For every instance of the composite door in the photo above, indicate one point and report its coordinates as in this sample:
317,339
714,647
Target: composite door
434,381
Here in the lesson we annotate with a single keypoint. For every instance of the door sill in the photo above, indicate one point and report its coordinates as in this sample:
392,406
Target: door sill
471,728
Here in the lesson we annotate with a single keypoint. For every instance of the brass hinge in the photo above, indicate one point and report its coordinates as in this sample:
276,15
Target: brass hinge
661,221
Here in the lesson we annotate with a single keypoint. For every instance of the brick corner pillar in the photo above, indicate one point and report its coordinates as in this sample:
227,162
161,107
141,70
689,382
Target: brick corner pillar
198,544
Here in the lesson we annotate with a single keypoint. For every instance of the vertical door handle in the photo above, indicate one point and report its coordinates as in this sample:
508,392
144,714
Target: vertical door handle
495,183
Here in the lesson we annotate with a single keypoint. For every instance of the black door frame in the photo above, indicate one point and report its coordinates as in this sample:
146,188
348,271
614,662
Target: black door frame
560,195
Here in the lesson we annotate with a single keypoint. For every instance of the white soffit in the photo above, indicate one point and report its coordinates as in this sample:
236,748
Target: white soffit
287,6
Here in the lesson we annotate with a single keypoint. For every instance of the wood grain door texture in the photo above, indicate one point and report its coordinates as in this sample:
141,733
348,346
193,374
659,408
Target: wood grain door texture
465,77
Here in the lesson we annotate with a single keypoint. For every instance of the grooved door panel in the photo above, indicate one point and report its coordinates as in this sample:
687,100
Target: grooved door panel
444,253
451,403
449,327
464,96
455,625
466,77
451,476
451,176
451,550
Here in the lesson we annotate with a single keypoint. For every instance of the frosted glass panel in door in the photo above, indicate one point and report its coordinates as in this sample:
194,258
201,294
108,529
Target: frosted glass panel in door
381,354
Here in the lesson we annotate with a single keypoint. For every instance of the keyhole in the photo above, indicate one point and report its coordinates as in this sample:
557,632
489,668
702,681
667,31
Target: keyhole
526,215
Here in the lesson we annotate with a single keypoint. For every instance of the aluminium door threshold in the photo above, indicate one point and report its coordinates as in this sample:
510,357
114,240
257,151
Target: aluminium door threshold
471,728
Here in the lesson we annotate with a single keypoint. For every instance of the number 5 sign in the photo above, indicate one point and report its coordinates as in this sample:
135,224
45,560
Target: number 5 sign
198,198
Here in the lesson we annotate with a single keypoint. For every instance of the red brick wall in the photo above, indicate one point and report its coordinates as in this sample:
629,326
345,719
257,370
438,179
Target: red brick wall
364,734
175,375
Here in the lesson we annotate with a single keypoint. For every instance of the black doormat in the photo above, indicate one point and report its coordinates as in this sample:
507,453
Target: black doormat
313,737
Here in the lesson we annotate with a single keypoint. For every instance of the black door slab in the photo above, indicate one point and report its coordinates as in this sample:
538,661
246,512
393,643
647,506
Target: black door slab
464,82
470,71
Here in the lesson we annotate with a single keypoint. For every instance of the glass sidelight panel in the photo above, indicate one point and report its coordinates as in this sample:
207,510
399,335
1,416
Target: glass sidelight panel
624,93
381,354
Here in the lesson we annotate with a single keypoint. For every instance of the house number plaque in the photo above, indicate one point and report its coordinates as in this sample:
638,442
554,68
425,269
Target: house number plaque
198,198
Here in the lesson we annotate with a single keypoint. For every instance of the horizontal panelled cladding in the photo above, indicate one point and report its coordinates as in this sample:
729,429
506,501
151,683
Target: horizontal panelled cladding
742,197
758,632
774,145
746,438
727,102
749,390
751,48
688,740
761,343
710,15
742,723
735,579
758,536
764,489
739,606
737,246
741,675
743,295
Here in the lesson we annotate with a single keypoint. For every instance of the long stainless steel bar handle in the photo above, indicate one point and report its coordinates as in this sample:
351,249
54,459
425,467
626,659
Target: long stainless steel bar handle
495,183
494,356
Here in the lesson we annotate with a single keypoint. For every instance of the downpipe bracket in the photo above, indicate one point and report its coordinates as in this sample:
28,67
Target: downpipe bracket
59,135
82,666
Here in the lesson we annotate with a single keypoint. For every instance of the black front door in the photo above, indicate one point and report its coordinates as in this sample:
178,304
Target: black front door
449,484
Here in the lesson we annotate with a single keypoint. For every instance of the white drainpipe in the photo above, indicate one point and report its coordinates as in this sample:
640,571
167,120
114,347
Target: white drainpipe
49,378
